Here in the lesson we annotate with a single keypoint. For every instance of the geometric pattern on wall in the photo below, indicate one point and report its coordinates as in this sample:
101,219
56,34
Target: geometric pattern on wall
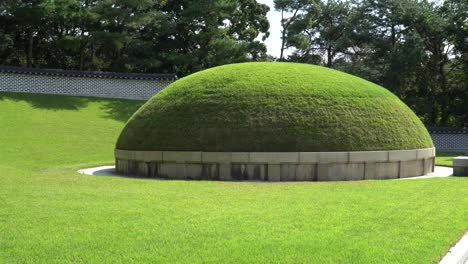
81,83
450,139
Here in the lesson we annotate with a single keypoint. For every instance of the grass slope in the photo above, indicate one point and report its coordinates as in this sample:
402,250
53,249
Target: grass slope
50,213
274,107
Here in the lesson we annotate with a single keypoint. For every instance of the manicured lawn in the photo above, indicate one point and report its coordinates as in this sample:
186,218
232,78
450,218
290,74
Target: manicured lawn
446,158
50,213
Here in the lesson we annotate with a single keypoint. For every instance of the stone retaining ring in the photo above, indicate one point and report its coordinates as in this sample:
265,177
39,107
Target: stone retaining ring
460,166
276,166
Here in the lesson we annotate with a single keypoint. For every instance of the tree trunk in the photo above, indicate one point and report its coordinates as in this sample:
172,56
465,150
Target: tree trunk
445,98
329,56
29,56
282,45
82,48
431,108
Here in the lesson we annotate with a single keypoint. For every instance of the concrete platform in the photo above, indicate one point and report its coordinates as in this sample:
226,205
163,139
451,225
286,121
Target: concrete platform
460,166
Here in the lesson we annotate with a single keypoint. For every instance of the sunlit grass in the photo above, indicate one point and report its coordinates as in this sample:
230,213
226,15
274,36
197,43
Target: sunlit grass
446,158
51,214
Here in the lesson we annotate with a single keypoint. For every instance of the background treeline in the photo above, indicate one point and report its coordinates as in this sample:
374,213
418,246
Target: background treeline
181,36
415,48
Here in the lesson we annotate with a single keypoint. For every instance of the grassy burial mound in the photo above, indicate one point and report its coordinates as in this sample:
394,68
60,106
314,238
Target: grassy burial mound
274,107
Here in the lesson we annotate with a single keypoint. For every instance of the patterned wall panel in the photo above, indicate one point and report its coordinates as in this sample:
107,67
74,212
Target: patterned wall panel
450,138
127,88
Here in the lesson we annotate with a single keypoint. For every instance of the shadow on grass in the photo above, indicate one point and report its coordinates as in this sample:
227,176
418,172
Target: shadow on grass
117,109
45,101
120,109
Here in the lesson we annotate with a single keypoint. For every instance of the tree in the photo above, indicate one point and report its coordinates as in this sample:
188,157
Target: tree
296,9
323,32
30,18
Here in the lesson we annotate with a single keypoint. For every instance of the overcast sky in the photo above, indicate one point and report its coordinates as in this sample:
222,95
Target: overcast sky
273,43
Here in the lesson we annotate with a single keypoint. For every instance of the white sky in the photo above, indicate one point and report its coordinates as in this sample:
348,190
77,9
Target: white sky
273,42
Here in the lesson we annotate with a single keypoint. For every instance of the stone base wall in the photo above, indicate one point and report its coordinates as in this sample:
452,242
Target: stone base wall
276,166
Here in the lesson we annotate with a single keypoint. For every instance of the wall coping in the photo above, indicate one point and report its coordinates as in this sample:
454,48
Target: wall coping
276,157
86,74
448,130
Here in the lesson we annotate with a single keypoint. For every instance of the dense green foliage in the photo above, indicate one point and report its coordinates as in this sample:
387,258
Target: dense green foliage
415,48
274,107
128,35
50,213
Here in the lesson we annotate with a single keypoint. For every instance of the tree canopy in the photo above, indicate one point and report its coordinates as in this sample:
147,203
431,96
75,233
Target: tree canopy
415,48
180,36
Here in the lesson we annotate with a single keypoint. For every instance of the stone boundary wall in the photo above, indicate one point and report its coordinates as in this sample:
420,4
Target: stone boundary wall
276,166
83,83
450,139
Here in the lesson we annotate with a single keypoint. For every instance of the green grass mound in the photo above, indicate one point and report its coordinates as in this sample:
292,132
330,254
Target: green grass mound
273,107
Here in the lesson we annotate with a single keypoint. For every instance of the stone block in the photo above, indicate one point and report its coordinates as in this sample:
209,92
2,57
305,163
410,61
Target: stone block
306,172
340,172
210,171
428,166
132,167
256,172
240,157
148,155
333,157
288,172
425,153
411,168
153,169
461,161
274,172
168,170
460,166
382,170
225,172
368,156
182,156
216,157
308,157
460,171
324,173
274,157
121,166
194,171
124,154
239,172
402,155
142,169
323,157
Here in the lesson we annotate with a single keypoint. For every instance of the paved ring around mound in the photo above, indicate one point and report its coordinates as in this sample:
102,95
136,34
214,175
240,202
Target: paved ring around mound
439,172
457,254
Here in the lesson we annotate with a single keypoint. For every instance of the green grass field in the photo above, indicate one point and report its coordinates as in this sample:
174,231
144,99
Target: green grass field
446,158
51,214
